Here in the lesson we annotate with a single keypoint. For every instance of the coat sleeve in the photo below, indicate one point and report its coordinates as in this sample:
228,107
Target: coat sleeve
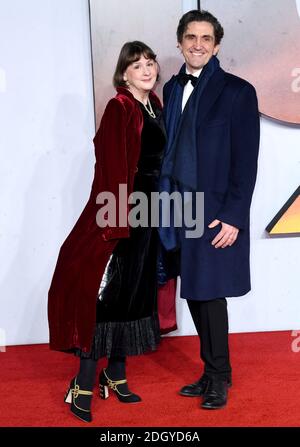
245,132
111,160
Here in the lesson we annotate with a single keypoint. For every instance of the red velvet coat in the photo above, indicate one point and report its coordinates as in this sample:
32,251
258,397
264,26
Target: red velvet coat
85,253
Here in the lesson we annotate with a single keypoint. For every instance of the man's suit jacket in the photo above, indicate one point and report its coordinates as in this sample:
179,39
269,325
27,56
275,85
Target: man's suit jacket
227,135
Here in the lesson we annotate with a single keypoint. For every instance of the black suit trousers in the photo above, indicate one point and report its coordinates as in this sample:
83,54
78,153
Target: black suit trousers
211,321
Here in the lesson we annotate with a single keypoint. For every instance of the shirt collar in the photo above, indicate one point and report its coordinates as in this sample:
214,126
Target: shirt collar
196,73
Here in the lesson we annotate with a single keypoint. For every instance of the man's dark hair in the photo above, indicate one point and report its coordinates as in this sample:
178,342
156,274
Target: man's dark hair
199,16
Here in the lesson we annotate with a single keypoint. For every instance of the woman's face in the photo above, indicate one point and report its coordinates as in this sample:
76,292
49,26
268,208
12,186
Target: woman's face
141,75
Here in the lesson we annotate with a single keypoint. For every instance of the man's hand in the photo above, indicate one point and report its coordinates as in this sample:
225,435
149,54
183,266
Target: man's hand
226,237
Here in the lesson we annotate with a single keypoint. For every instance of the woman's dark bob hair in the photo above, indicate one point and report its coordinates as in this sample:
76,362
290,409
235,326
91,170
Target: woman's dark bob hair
130,52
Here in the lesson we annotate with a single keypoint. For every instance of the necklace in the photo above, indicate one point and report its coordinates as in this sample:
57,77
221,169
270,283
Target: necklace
150,110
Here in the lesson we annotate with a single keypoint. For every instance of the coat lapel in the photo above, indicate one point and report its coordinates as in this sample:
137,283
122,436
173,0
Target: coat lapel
185,147
213,90
209,96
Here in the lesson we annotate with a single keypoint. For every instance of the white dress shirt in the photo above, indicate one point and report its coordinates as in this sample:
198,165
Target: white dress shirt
188,88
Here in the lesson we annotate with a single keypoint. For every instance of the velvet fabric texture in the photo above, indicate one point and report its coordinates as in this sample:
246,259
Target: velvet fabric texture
127,320
84,254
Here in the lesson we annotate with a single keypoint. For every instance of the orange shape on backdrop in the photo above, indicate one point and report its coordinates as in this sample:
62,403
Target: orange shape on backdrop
287,220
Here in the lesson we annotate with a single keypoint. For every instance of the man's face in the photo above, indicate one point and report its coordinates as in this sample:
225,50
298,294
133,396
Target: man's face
198,45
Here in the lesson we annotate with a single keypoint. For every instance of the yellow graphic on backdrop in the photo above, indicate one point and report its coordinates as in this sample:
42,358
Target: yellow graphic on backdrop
287,220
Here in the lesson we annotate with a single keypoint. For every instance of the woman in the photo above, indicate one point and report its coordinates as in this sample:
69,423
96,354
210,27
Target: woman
117,265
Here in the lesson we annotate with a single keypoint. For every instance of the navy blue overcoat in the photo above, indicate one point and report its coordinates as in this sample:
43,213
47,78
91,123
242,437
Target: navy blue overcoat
227,135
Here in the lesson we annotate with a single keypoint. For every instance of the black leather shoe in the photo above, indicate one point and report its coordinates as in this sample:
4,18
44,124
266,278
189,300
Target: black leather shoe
215,395
196,389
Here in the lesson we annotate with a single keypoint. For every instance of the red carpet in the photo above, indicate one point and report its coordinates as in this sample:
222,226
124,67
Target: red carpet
265,392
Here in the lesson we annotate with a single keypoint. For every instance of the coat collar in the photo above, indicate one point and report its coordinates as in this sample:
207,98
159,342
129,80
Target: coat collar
181,155
213,89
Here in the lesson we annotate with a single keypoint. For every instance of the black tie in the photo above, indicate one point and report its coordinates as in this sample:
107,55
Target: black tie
184,78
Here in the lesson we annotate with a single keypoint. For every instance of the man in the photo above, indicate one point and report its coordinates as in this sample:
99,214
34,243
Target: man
212,123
